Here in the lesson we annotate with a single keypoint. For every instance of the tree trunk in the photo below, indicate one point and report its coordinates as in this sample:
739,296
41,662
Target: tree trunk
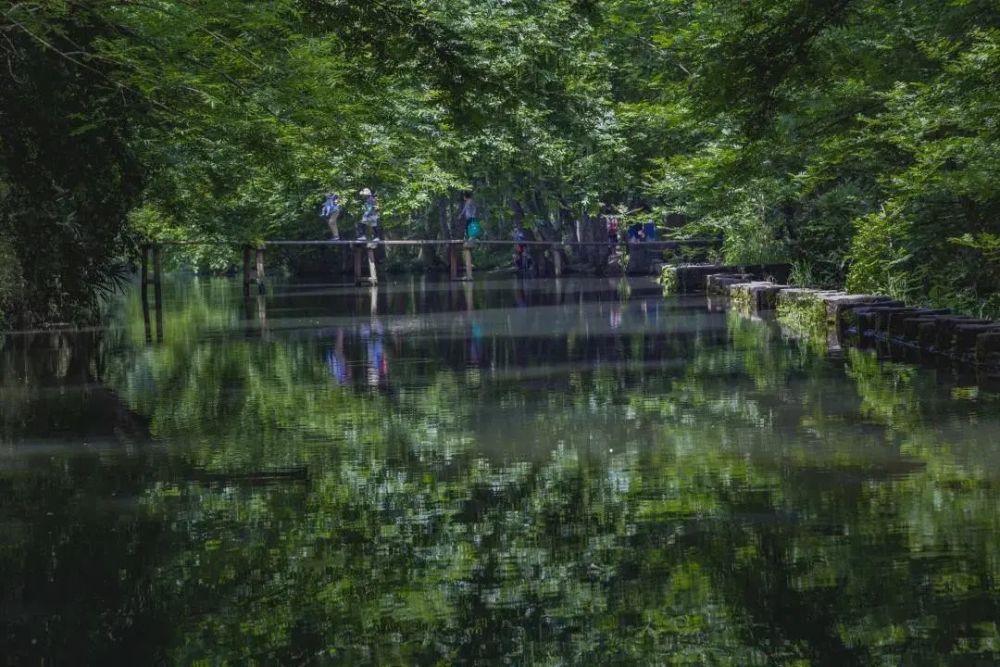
518,213
427,256
444,219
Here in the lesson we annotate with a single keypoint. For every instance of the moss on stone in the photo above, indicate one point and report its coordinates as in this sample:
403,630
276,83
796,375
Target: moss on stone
668,280
804,312
740,298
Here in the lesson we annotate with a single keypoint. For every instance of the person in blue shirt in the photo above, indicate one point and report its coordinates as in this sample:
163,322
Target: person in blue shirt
331,212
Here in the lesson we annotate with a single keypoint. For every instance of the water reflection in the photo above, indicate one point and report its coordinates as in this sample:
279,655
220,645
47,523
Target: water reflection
526,472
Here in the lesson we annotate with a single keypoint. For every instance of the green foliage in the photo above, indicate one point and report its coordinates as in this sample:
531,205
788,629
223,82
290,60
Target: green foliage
852,138
686,489
879,250
67,172
806,317
668,280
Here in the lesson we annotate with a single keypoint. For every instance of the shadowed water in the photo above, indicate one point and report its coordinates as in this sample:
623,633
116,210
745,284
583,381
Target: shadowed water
547,472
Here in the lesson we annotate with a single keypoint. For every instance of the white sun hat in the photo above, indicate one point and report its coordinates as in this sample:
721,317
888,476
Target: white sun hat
365,192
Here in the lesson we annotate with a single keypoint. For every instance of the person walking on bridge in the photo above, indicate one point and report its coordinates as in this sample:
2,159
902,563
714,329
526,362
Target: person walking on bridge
331,212
468,215
368,227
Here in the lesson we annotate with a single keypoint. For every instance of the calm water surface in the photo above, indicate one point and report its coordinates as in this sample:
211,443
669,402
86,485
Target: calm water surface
550,473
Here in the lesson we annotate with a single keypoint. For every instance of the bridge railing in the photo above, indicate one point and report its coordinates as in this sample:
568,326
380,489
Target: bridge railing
253,255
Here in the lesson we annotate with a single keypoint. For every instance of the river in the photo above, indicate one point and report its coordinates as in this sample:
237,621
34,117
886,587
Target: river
545,472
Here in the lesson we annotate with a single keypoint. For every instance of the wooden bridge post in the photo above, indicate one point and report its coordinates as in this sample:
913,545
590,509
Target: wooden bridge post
467,256
260,270
360,252
246,270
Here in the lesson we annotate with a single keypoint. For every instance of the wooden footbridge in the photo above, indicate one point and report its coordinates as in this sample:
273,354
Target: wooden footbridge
365,271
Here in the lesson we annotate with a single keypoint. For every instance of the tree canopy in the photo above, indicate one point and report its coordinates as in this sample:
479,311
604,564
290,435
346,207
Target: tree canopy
854,138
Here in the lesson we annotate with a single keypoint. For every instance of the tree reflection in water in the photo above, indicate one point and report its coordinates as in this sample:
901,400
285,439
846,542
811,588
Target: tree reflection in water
431,474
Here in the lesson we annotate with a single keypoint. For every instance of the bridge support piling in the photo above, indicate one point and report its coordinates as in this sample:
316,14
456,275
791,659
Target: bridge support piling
360,252
557,260
467,256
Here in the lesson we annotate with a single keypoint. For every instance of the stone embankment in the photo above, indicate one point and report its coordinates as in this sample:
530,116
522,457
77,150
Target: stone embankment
845,319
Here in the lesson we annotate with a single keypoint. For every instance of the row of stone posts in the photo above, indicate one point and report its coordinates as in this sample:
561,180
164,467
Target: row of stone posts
856,320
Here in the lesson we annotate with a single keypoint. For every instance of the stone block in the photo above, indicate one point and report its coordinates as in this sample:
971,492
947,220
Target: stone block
944,341
927,330
911,328
884,318
718,284
847,313
691,278
838,302
988,349
765,295
964,342
859,320
803,310
669,280
874,320
797,294
897,321
755,297
850,319
989,380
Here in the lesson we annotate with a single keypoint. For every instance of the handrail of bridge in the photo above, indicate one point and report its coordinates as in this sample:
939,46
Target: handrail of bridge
664,243
253,268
